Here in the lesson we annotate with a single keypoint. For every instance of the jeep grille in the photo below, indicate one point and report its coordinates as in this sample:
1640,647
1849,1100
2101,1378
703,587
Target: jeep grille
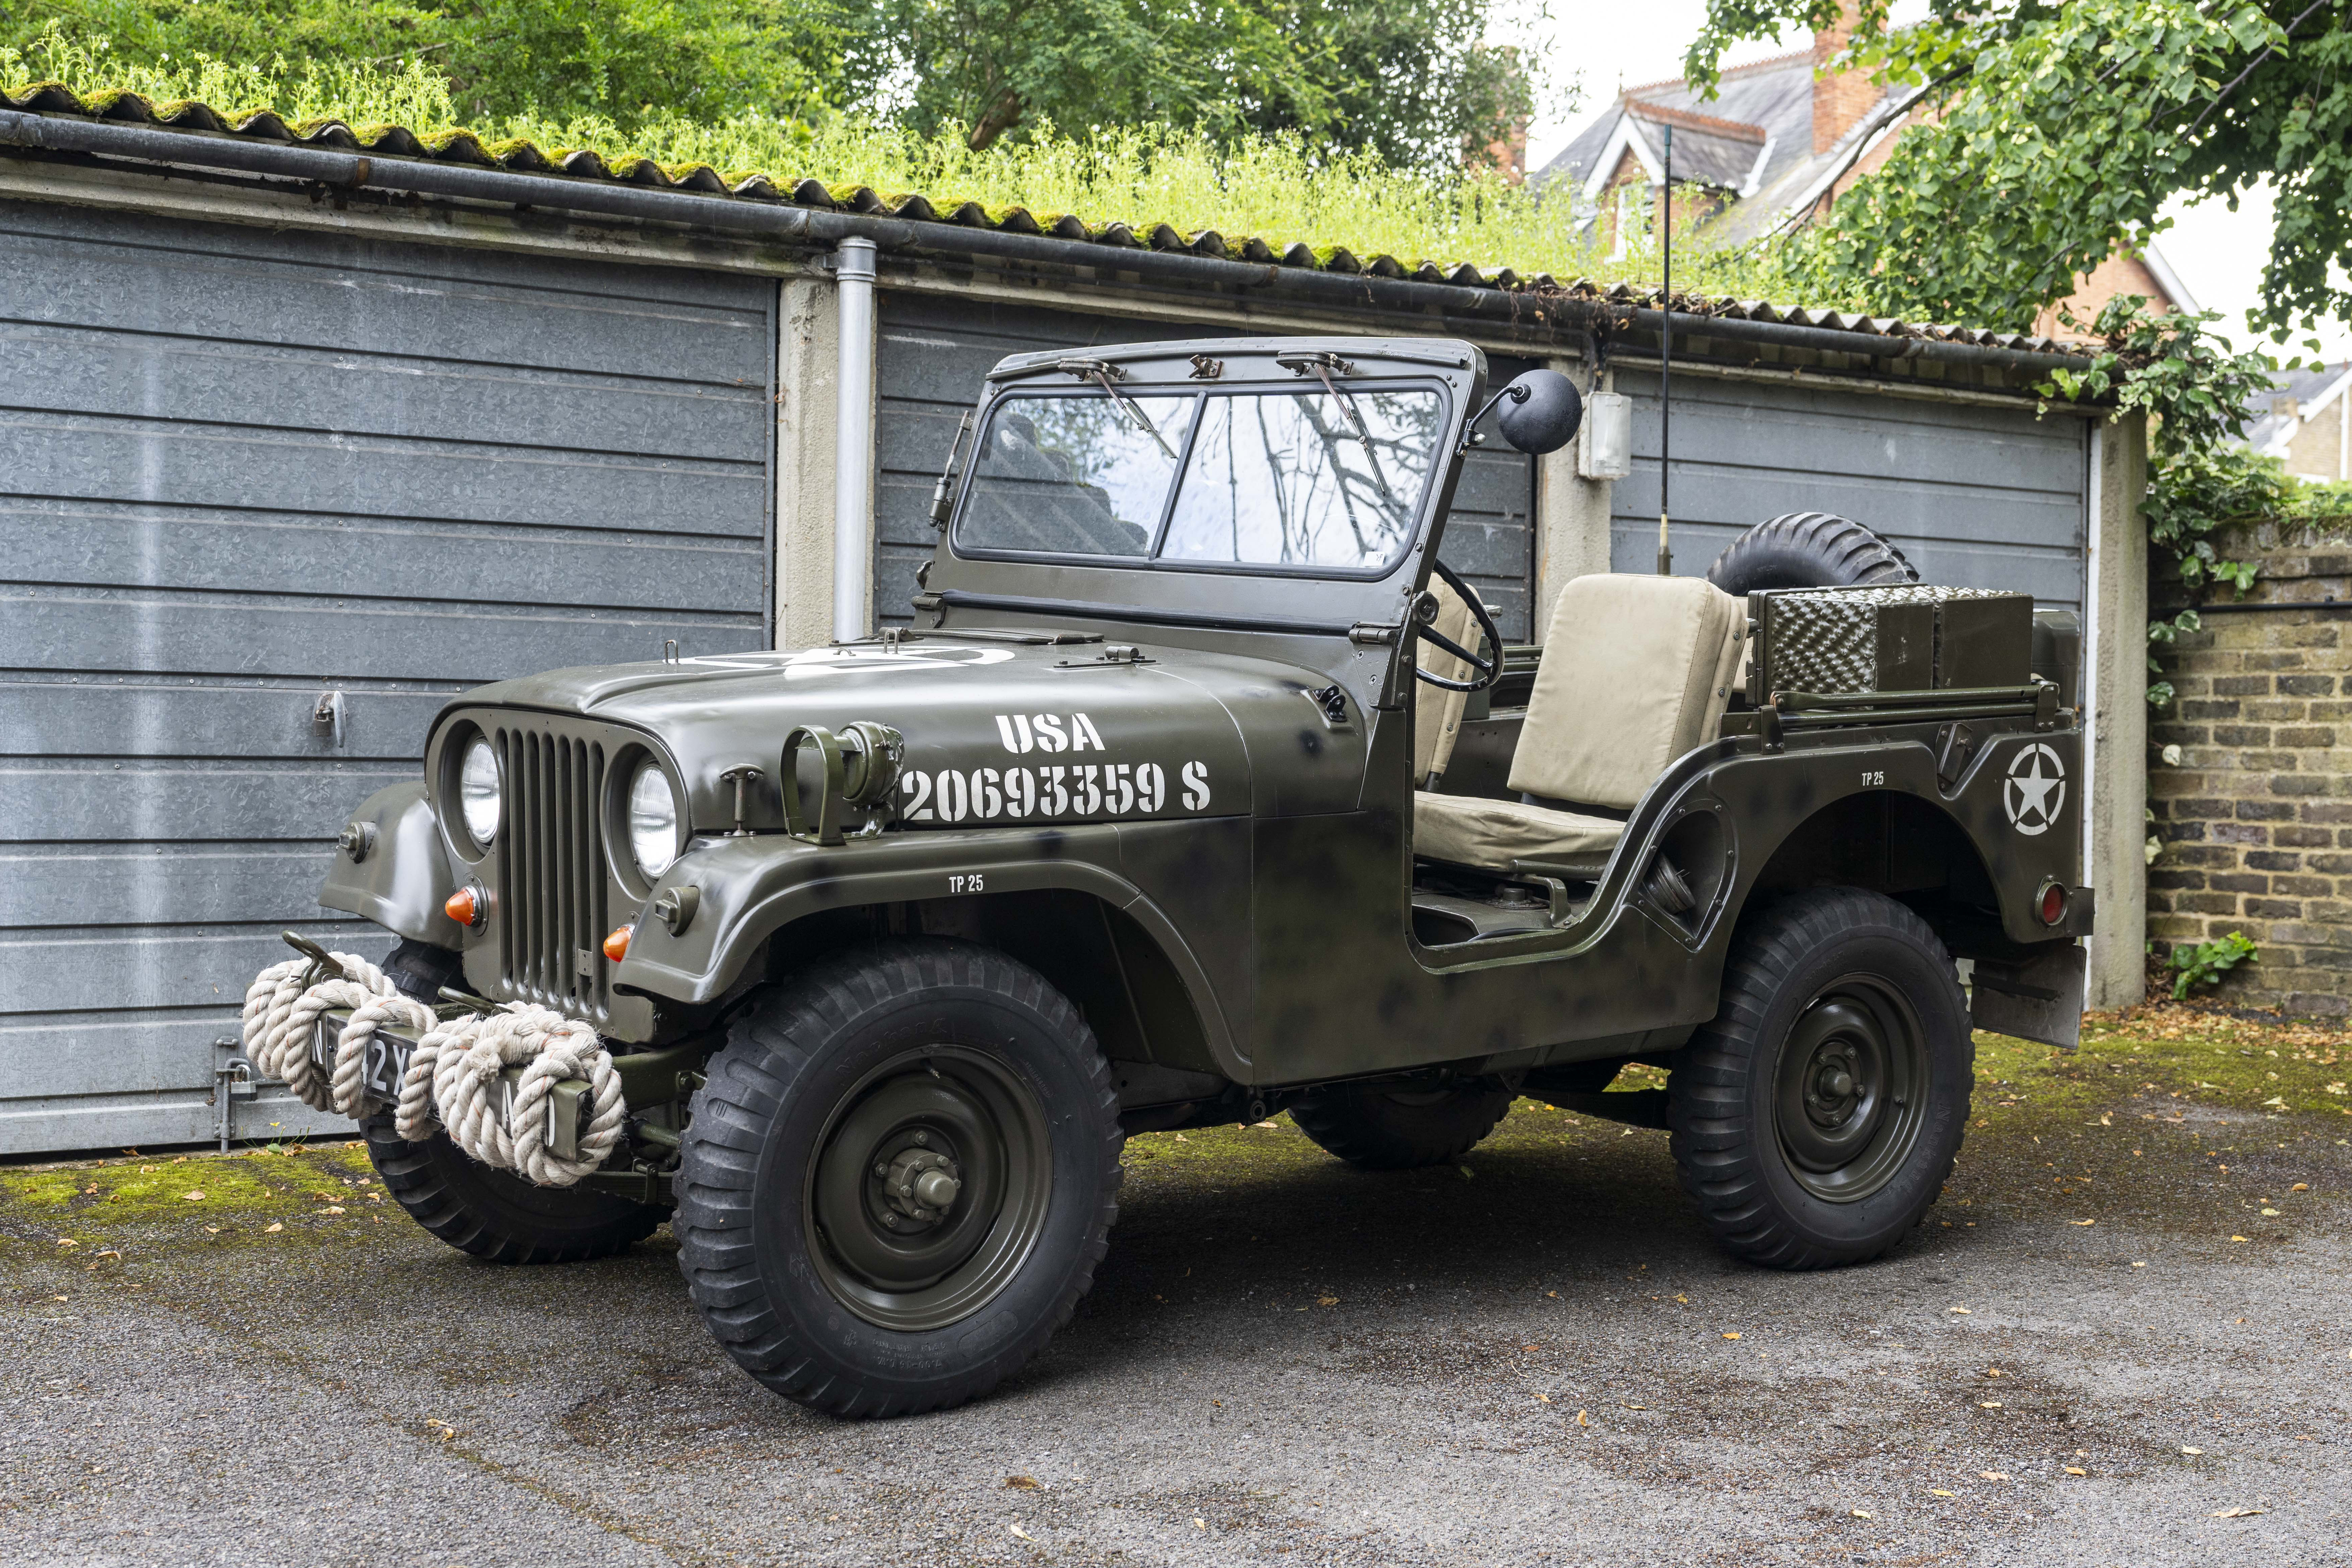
552,879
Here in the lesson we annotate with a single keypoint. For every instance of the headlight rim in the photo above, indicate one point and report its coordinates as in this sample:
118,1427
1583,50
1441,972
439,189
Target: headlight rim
467,831
620,838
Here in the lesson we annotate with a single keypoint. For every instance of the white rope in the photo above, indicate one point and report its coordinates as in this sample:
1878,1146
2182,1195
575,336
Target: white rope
451,1071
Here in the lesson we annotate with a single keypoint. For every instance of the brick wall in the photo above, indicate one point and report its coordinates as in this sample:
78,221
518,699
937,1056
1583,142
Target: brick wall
2254,819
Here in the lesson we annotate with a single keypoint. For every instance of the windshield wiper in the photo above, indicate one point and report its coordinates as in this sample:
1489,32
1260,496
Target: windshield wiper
1101,371
1322,363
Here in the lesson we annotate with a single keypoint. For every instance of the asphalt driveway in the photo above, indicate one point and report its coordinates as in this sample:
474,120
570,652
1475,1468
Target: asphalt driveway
1534,1358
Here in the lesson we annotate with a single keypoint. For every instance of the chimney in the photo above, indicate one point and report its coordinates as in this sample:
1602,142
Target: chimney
1840,98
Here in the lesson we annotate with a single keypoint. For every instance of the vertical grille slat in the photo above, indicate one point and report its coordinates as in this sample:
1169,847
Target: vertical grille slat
552,876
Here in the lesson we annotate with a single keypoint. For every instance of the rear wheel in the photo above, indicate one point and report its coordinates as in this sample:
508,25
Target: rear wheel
1394,1127
1817,1117
898,1177
493,1214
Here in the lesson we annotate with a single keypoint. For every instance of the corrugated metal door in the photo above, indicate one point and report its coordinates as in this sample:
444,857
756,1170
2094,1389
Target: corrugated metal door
936,350
241,467
1977,497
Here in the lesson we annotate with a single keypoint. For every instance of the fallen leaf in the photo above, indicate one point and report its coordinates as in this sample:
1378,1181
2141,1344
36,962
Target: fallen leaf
2300,1187
213,1228
67,1241
1545,1397
2076,1471
2187,1449
2233,1513
1025,1534
1860,1513
1583,1418
1327,1300
1731,1336
1466,1172
2270,1214
1938,1491
2083,1222
1200,1524
1261,1124
273,1225
1992,1475
2237,1238
1021,1483
192,1198
1988,1405
332,1208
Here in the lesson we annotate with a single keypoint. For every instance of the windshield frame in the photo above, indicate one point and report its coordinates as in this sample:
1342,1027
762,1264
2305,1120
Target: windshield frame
1416,507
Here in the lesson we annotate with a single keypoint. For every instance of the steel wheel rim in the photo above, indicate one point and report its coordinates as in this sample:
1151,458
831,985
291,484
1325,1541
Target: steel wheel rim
1850,1090
880,1238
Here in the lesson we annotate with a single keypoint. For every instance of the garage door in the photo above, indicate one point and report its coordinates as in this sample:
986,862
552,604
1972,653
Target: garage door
242,469
935,352
1977,497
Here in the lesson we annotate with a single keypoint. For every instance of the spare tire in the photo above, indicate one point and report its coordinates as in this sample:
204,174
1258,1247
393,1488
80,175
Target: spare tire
1808,550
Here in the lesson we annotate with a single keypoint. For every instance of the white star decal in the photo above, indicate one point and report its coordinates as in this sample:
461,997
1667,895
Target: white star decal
2036,789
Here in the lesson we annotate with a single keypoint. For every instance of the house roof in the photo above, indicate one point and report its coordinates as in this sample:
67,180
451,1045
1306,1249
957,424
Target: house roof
1772,98
2311,391
121,114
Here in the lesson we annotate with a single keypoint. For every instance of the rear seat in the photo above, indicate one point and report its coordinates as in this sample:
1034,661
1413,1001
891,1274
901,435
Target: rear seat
1636,670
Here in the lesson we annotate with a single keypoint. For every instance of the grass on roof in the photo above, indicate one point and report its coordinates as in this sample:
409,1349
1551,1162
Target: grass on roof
1278,189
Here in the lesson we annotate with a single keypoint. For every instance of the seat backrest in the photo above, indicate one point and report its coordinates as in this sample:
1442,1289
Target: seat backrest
1437,713
1635,671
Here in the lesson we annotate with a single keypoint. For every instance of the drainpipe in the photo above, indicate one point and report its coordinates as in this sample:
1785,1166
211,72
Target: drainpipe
853,482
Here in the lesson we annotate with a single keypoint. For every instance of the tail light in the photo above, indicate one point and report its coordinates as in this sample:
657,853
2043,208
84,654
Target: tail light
2052,903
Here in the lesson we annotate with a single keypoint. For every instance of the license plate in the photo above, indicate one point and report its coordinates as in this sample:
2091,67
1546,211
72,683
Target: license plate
382,1065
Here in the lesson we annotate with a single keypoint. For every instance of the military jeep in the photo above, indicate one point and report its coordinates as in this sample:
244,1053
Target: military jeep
1200,791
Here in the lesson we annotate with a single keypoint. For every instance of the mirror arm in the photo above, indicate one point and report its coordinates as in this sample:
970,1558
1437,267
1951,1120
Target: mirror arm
1515,392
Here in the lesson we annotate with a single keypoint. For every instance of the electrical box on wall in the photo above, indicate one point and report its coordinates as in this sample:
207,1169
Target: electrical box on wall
1604,450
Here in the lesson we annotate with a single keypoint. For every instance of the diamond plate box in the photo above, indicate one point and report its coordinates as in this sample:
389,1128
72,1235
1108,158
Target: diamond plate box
1904,637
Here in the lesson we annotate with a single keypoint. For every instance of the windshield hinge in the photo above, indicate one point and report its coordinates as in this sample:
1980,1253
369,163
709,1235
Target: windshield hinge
1320,362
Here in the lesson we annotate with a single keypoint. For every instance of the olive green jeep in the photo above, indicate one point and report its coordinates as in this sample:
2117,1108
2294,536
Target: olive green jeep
1200,791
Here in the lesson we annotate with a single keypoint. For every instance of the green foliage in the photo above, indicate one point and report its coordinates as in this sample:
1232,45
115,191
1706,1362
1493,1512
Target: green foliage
1277,187
2205,963
2062,129
2197,394
624,59
1407,80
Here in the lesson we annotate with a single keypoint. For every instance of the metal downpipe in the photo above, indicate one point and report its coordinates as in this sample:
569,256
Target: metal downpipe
853,480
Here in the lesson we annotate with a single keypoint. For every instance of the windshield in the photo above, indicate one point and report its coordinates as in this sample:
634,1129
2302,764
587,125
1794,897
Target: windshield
1301,477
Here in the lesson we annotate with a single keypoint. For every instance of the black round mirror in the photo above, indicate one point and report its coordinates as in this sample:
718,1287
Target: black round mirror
1540,412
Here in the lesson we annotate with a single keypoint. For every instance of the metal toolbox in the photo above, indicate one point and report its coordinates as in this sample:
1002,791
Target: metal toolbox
1904,637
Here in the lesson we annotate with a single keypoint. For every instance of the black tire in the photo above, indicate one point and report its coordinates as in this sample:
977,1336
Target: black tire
1808,550
838,1076
493,1214
1395,1127
1792,1165
419,969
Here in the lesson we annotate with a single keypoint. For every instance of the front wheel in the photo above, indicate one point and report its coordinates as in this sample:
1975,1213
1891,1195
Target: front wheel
1818,1116
898,1177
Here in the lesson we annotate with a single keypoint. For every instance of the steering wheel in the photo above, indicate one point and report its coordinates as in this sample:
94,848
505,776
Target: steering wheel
1490,670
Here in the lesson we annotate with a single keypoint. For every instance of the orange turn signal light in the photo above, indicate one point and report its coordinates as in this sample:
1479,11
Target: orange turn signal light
466,905
617,946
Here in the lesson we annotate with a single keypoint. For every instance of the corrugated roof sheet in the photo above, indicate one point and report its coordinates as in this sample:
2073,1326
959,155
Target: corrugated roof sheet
462,146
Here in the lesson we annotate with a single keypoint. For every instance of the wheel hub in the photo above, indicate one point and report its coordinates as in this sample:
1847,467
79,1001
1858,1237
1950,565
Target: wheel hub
920,1185
929,1187
1851,1072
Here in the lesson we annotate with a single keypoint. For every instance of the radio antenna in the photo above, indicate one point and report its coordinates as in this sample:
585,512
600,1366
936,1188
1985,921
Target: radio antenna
1667,367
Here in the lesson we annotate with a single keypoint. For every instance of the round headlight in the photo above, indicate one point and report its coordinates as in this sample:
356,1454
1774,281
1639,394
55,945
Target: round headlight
652,820
477,791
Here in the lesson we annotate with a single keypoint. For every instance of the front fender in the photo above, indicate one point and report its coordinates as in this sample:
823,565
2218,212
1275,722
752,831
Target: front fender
404,876
748,889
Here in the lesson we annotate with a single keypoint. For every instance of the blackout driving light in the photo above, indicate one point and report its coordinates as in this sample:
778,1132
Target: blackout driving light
477,791
652,820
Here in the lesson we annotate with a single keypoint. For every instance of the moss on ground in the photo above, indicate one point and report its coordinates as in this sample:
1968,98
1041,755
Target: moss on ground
83,1208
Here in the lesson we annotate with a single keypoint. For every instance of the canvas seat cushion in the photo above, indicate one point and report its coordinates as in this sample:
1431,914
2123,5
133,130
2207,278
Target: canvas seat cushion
1470,830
